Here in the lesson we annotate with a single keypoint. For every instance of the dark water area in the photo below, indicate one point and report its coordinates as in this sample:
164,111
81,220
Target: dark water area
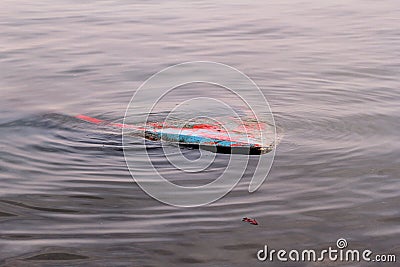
330,71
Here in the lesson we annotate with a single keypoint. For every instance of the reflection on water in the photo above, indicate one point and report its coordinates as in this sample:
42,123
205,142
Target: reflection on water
329,70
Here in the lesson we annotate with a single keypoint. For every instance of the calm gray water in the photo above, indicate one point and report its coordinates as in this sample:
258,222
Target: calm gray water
329,69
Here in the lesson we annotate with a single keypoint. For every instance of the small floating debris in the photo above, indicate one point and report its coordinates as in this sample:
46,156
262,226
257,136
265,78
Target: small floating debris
249,220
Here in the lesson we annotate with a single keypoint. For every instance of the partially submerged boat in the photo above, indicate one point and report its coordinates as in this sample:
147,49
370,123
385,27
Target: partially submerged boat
241,140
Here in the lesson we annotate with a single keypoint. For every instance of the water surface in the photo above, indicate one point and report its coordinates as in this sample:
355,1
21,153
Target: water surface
329,70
